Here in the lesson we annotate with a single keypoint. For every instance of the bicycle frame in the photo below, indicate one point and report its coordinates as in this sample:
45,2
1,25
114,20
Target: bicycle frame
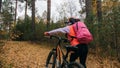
59,55
59,52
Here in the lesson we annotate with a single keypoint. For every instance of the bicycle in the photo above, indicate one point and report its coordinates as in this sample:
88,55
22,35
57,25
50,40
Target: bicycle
57,59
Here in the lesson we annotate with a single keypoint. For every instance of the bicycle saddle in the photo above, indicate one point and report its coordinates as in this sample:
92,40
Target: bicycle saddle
71,48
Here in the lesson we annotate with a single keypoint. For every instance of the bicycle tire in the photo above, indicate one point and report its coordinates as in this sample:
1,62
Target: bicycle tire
75,65
64,65
51,60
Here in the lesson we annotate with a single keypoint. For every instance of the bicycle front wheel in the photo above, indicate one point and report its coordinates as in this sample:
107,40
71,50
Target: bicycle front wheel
51,60
75,65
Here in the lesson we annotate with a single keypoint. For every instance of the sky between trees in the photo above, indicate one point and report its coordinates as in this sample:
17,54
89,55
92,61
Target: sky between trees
41,6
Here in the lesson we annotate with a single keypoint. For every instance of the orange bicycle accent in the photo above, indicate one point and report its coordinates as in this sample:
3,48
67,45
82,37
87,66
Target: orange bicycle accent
59,59
59,53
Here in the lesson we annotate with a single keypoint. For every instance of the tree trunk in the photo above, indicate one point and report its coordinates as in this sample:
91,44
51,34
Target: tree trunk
15,11
26,9
0,5
48,12
33,18
99,10
88,9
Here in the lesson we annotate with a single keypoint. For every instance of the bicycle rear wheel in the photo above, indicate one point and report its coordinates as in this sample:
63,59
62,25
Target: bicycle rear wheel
75,65
51,60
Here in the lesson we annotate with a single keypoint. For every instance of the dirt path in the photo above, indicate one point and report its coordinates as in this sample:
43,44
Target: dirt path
31,55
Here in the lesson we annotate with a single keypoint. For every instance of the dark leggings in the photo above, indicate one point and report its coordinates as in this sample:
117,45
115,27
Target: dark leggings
81,53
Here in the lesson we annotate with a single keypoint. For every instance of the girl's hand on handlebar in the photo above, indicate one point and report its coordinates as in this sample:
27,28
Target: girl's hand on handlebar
46,34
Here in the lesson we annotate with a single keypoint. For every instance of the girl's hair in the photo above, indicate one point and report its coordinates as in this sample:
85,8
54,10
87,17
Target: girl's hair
76,20
72,20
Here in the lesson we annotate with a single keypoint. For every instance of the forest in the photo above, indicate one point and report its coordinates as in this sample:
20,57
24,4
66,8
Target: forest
102,17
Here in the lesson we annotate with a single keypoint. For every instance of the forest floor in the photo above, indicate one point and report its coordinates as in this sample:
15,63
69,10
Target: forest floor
24,54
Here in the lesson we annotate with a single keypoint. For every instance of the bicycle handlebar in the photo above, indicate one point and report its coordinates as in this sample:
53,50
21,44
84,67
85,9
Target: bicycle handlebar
59,38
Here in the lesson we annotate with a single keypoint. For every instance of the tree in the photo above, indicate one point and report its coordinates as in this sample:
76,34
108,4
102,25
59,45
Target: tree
31,4
99,10
48,12
67,9
7,17
0,5
71,7
26,8
86,9
111,16
33,17
44,16
7,12
15,10
88,4
26,5
62,10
